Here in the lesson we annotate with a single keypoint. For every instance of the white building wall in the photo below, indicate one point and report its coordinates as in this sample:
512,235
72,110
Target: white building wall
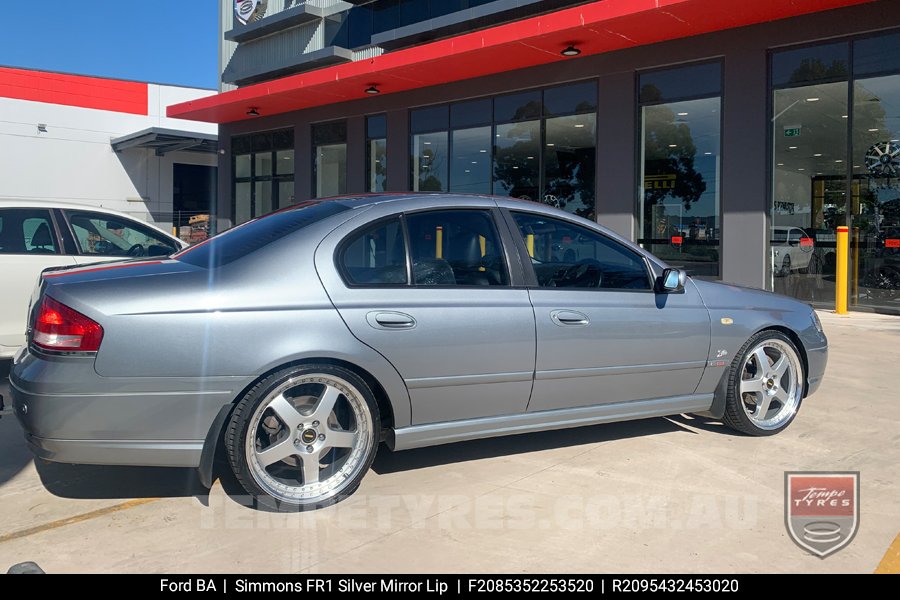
74,160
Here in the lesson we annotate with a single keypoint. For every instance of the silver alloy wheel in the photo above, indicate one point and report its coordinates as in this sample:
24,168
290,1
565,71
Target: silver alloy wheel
771,384
309,438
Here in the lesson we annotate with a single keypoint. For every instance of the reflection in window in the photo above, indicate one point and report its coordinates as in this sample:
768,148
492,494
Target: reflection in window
429,160
329,159
679,195
470,170
569,155
517,149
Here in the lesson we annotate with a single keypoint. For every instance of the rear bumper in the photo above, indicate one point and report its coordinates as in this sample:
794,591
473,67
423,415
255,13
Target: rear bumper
71,414
148,453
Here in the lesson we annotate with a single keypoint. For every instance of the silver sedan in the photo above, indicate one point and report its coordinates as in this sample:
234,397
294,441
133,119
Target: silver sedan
298,342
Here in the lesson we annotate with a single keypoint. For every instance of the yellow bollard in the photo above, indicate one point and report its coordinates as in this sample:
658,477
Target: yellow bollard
439,242
842,258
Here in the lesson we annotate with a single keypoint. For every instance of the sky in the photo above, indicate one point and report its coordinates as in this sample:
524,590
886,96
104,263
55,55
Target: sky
163,41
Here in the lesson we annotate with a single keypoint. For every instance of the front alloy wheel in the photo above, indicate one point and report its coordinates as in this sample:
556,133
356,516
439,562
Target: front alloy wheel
766,385
304,437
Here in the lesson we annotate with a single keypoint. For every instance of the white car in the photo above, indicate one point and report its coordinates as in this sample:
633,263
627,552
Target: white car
35,235
792,250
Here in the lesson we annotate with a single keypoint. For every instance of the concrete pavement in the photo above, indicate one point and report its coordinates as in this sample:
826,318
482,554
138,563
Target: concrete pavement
661,495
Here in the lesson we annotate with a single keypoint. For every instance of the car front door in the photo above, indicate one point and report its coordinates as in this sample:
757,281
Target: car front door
104,237
28,244
433,292
603,335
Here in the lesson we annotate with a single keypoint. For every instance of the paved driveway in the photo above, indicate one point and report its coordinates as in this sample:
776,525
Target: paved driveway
678,494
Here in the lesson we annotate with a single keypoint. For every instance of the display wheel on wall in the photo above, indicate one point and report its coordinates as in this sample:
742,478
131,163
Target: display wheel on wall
883,159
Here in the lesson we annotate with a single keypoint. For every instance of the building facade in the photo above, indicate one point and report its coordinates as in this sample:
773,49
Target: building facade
105,142
729,138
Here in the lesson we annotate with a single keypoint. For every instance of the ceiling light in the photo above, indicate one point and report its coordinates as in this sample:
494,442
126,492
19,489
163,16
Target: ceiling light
530,157
515,167
779,164
792,147
707,153
855,166
812,99
372,90
579,125
801,169
570,50
551,145
468,171
482,151
682,114
252,112
838,161
673,145
873,130
817,154
427,143
843,116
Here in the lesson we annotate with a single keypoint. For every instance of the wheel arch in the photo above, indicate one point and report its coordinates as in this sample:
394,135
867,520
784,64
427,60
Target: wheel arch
214,437
717,410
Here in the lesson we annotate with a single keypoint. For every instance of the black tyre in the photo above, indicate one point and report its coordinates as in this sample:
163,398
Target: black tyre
303,437
765,385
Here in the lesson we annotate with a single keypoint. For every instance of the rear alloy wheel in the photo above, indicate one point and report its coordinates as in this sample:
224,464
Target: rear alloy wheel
304,437
765,385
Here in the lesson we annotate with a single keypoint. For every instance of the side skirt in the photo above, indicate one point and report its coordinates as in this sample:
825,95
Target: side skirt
432,434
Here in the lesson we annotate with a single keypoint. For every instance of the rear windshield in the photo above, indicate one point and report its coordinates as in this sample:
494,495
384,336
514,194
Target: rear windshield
253,235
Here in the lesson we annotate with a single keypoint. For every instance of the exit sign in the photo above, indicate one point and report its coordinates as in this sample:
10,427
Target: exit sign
793,131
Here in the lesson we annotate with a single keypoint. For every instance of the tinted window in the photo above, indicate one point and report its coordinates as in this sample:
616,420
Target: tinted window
376,255
678,83
570,256
26,231
811,64
568,99
432,118
876,55
471,113
253,235
108,235
517,107
456,247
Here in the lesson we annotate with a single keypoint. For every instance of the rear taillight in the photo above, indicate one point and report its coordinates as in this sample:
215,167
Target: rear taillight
58,327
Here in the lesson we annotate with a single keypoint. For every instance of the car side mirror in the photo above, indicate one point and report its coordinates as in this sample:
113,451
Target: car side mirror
672,281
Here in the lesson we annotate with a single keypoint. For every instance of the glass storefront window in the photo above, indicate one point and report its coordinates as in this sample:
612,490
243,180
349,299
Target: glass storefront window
537,144
679,206
429,160
376,153
821,102
569,158
470,168
263,173
329,145
517,167
809,135
875,200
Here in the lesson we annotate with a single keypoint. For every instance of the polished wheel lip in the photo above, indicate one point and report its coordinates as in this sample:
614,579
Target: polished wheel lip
781,380
308,454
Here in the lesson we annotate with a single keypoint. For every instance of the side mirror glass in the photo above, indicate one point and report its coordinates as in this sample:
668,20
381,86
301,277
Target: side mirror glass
672,281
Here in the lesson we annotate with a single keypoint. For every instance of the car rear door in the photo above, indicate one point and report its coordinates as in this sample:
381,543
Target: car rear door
433,291
603,335
29,243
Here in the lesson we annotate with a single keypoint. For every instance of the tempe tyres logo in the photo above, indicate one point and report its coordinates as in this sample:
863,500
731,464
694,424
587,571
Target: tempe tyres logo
821,510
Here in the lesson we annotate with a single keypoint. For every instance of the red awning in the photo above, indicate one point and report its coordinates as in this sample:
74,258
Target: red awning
594,28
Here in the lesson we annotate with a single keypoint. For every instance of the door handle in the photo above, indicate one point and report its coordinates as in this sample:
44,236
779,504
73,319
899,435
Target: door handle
569,318
390,320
